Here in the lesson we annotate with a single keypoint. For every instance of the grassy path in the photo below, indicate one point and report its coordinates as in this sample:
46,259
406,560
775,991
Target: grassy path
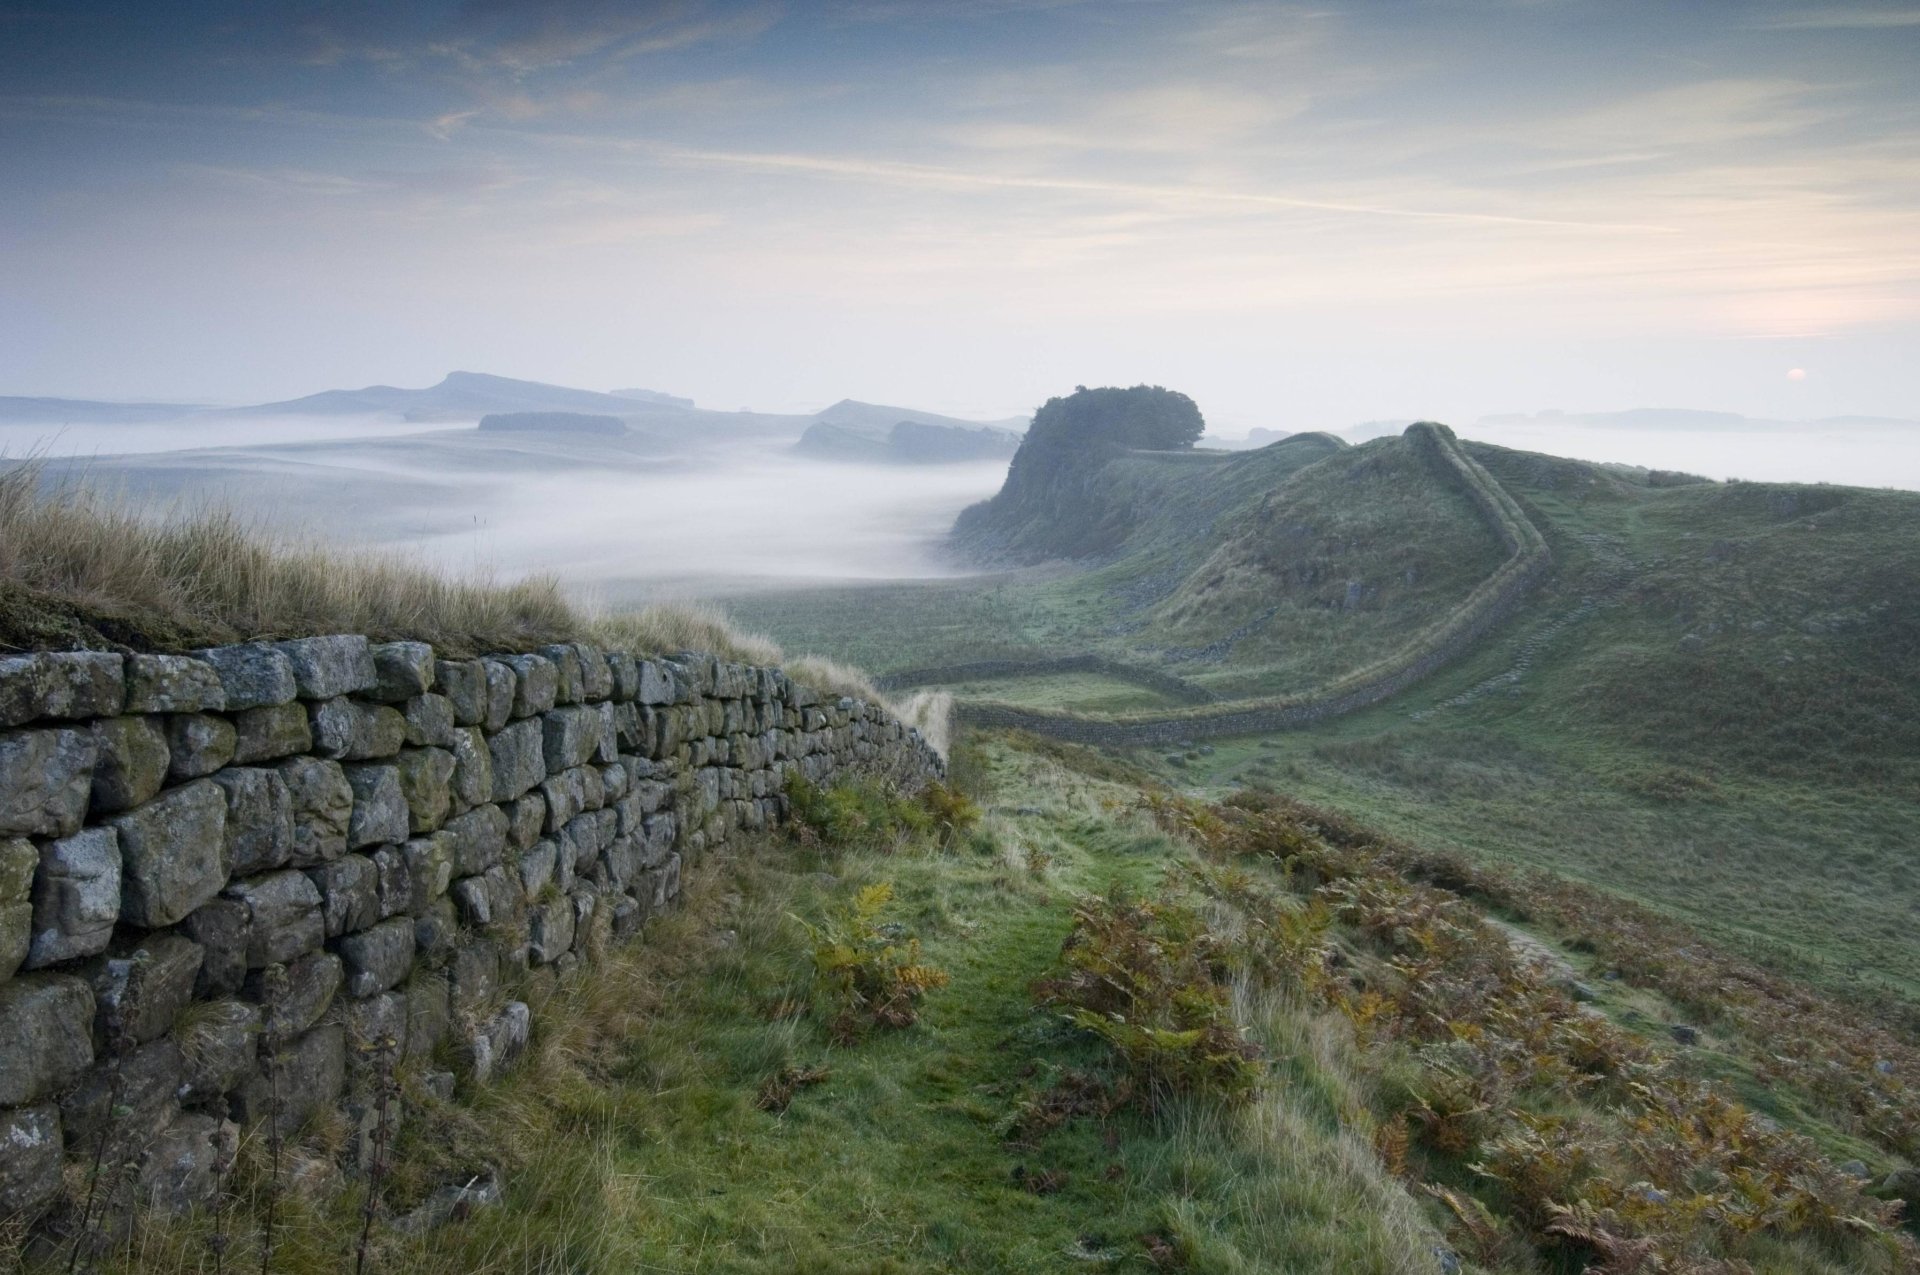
635,1137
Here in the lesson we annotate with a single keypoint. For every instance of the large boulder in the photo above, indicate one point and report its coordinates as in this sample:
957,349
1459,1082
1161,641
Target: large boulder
198,744
472,782
347,730
551,929
349,893
322,805
219,1040
571,735
402,670
324,667
426,783
501,687
536,684
429,721
63,684
271,731
496,1044
526,820
141,991
32,1150
173,684
131,762
286,920
46,778
295,996
173,854
378,957
127,1103
252,675
224,930
568,687
48,1039
464,683
259,818
379,806
479,839
429,862
596,672
519,759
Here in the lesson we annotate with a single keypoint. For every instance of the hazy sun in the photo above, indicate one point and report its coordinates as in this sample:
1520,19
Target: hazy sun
1797,374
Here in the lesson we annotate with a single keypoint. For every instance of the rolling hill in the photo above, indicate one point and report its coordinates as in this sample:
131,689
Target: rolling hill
1705,695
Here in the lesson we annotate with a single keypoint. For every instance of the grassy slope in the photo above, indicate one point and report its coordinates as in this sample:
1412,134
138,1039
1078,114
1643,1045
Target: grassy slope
1252,551
1713,706
632,1140
1729,734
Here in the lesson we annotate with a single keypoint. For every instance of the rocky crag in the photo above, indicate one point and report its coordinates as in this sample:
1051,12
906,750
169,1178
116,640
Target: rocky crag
235,883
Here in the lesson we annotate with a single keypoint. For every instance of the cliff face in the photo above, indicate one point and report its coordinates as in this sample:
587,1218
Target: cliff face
230,880
1057,502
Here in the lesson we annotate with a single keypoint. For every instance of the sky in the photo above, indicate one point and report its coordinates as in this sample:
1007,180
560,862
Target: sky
1304,216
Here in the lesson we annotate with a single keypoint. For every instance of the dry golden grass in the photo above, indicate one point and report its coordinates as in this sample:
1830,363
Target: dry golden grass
79,566
667,627
930,713
201,574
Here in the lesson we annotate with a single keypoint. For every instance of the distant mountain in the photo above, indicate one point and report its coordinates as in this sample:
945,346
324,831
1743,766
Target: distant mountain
461,396
654,396
878,420
908,442
80,411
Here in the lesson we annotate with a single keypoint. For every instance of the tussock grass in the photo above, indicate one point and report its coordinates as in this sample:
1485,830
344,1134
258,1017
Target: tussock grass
931,713
1301,1158
82,566
201,574
684,626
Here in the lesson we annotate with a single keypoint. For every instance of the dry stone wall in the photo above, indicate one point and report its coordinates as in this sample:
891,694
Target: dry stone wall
230,879
1175,688
1492,601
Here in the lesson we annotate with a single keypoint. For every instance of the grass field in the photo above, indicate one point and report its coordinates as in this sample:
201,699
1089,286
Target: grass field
638,1136
1100,692
1713,704
693,1107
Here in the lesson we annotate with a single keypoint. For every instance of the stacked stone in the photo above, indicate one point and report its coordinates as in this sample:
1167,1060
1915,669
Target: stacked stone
226,876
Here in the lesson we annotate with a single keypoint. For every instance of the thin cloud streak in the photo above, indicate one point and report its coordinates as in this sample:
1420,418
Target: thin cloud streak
929,175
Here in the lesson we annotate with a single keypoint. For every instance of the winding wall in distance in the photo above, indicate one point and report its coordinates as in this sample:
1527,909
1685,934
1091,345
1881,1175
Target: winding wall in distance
1491,601
1175,688
230,881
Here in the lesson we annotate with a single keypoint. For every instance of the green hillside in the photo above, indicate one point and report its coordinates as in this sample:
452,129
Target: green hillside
1710,701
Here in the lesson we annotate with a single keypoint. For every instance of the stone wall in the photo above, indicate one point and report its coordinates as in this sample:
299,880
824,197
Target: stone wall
230,880
1492,601
1175,688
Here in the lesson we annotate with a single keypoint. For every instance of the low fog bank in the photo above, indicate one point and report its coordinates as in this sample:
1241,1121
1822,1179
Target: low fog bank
46,438
1860,456
758,520
619,518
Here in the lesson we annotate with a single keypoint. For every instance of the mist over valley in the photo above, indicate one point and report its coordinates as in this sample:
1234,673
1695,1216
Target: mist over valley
1177,637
